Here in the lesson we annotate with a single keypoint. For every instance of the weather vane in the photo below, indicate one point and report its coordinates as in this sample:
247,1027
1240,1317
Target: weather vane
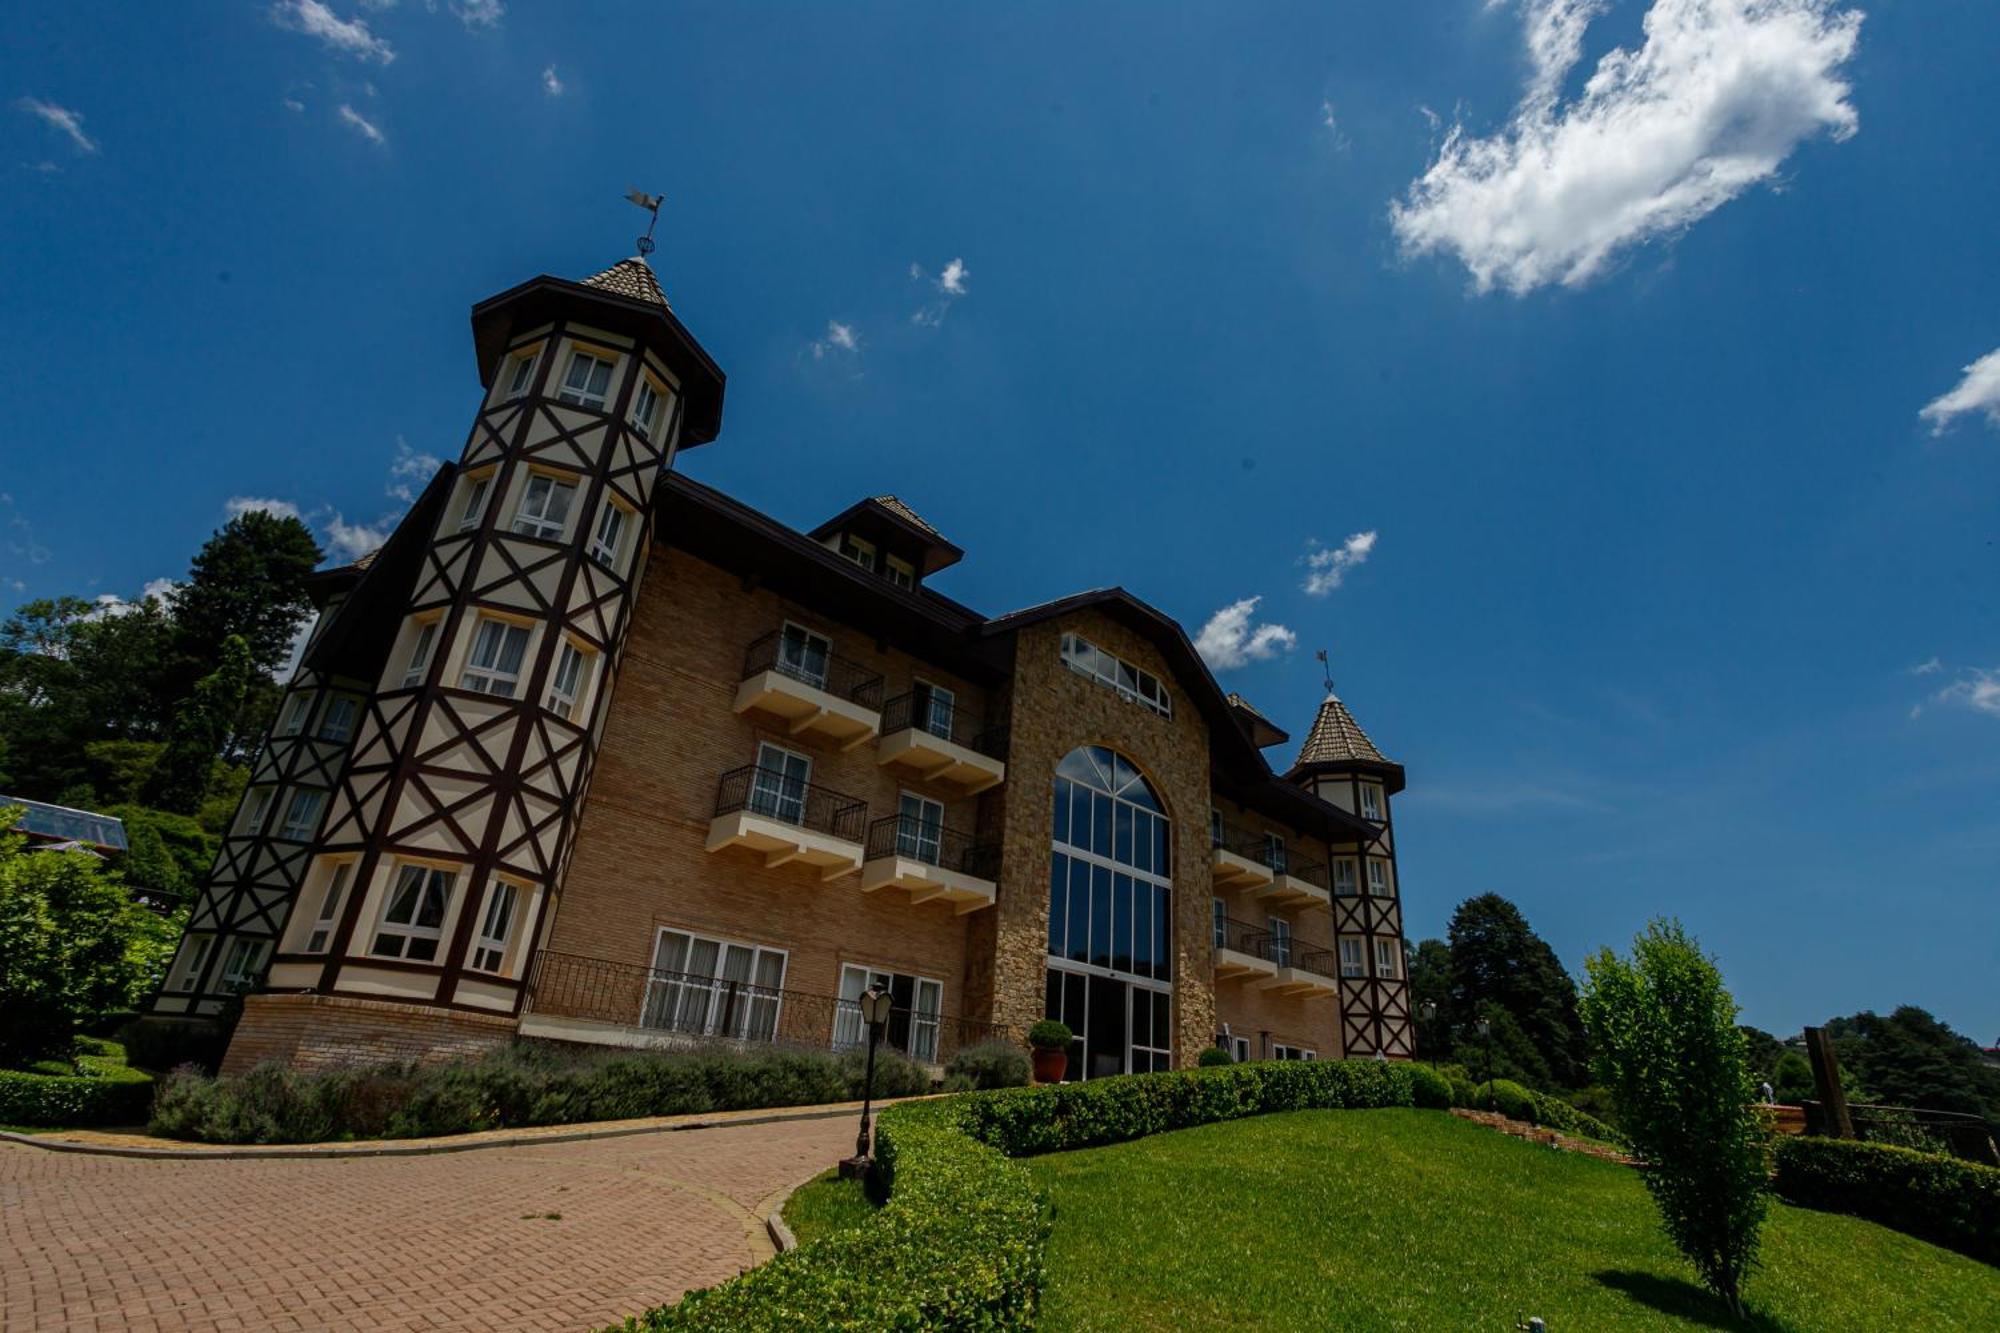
1325,669
651,203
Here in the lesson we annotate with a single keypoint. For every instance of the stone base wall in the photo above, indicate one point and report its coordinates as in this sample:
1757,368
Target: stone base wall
311,1032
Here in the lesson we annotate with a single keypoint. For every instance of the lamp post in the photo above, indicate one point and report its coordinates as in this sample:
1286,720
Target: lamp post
875,1006
1485,1026
1428,1011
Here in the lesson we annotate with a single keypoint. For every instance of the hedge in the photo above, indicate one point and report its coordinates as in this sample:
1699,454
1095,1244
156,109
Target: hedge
1530,1107
960,1243
61,1101
1940,1199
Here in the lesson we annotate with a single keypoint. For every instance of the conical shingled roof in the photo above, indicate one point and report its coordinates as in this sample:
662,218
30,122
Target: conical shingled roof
1336,738
631,278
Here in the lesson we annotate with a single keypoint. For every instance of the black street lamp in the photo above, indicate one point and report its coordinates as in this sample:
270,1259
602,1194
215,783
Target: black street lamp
875,1006
1485,1026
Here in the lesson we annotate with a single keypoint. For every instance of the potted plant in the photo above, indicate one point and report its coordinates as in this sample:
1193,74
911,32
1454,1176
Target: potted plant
1050,1039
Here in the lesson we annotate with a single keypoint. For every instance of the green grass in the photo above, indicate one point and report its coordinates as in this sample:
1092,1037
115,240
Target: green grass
826,1204
1416,1220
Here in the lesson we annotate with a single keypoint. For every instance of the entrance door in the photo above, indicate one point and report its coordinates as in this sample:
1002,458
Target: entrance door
1105,1028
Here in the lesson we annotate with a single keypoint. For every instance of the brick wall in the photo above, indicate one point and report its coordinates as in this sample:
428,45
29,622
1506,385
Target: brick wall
323,1031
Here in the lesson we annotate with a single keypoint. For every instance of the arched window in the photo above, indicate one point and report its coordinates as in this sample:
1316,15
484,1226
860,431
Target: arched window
1110,955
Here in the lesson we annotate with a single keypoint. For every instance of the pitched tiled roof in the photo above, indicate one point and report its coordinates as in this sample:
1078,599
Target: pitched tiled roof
631,278
1238,701
1336,738
904,512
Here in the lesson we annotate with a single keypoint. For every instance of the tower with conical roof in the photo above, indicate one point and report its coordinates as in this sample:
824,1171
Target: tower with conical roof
1340,764
405,835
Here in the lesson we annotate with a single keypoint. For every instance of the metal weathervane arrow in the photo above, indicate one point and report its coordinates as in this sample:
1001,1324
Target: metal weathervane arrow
651,203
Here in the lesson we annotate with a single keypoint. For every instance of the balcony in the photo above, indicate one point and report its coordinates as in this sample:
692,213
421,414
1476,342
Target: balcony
1296,884
785,820
812,694
939,742
934,863
1300,971
575,998
1242,950
1238,859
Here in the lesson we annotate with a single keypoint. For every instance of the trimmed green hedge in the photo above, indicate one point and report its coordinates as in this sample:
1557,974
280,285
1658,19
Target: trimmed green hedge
959,1245
63,1101
1529,1107
1940,1199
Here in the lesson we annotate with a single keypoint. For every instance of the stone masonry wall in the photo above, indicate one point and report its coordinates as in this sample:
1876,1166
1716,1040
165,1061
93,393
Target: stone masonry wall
311,1032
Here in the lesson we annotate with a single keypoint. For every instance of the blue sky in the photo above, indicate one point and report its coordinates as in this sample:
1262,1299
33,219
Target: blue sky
1616,340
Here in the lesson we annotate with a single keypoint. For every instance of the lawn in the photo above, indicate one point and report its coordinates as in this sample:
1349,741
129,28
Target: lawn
1417,1220
824,1204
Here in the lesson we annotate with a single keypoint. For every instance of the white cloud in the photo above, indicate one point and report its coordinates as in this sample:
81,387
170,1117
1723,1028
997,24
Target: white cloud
1976,688
1979,391
410,470
352,540
60,118
293,104
952,281
839,337
1327,566
346,36
1229,639
360,124
1929,668
1711,103
479,13
111,604
237,505
551,85
950,285
1326,117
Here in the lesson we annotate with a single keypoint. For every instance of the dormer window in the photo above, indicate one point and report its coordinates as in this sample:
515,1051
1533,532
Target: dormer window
587,381
521,372
899,572
544,510
649,403
860,552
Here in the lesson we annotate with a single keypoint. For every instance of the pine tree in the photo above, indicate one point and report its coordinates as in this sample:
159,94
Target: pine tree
1497,959
248,580
180,777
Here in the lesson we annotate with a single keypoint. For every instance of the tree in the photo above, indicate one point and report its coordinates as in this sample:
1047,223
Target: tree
180,777
1763,1052
1497,959
1430,984
72,945
1664,1029
248,581
1911,1058
74,674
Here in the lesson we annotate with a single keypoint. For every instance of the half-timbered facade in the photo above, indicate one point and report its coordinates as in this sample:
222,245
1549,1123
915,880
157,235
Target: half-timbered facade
592,752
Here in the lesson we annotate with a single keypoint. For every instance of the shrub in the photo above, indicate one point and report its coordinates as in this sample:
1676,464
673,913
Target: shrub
1664,1028
1941,1199
1050,1034
1558,1114
160,1043
989,1064
1510,1099
64,1101
1428,1088
896,1074
1212,1056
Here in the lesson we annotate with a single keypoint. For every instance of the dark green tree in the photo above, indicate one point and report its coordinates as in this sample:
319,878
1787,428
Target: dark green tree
1496,958
1763,1051
180,778
1430,985
74,674
1910,1058
1663,1027
248,581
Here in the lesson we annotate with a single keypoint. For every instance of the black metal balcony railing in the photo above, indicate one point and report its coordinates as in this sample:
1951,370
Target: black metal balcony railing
775,795
702,1009
808,665
960,726
1320,962
1251,846
934,845
1312,872
1242,937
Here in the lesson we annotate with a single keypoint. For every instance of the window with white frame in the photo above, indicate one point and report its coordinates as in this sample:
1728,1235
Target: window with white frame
1282,1051
649,402
1387,964
778,787
569,680
899,572
420,654
920,828
587,381
496,926
1353,962
544,508
1344,884
1274,853
521,371
860,551
292,720
240,966
1378,879
1239,1049
710,987
301,814
610,535
915,1004
327,919
412,921
477,490
1133,684
804,655
933,708
1371,802
256,810
1281,940
187,967
337,719
494,664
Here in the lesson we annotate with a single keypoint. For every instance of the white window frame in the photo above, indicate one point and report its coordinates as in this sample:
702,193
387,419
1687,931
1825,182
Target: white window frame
1371,802
849,1033
940,709
691,1001
422,649
499,917
410,935
1351,879
607,552
292,720
302,814
188,964
770,796
1355,965
486,679
521,368
647,419
926,842
796,668
595,399
327,919
1133,684
1280,931
1278,853
856,550
570,679
536,522
1281,1050
478,495
899,572
256,814
1380,883
352,703
1386,965
1239,1047
242,965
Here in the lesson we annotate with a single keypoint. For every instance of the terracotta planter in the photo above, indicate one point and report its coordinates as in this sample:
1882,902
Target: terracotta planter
1050,1065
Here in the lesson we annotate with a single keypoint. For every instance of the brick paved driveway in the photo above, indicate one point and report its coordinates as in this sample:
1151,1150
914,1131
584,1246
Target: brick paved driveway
458,1240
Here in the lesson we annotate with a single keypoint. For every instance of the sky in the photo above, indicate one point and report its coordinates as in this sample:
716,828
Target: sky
1611,389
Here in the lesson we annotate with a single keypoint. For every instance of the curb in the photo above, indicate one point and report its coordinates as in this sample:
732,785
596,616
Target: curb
421,1148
